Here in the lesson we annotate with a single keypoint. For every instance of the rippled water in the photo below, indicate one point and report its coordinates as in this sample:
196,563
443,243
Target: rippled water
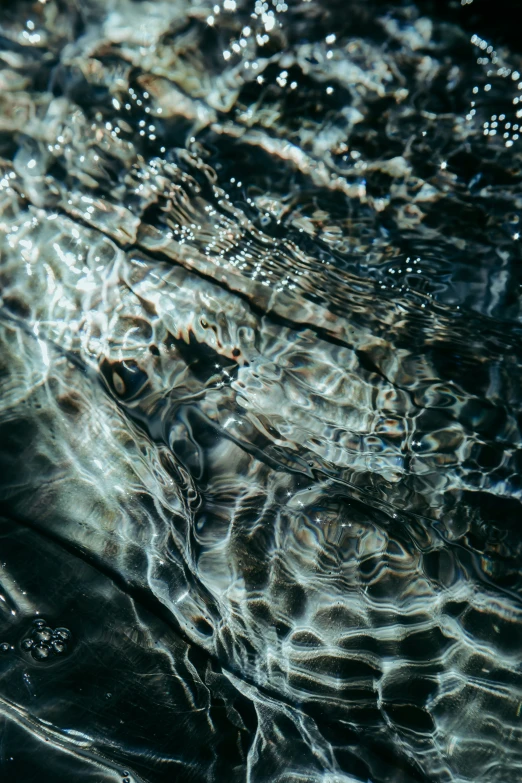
260,392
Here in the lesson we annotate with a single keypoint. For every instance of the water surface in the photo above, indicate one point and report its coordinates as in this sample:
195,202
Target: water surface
260,392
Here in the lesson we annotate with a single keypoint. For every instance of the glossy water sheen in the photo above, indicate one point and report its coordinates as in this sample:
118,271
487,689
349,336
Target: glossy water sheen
260,392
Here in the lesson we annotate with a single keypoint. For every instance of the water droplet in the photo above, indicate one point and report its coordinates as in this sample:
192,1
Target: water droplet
27,644
5,647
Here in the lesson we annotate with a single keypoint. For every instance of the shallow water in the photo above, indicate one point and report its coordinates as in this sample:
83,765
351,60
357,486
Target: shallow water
260,392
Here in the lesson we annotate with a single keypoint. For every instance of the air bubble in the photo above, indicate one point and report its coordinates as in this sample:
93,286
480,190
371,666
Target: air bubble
43,634
63,634
44,641
40,651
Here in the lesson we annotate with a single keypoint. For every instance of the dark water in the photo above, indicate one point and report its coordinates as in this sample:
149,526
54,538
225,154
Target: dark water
260,392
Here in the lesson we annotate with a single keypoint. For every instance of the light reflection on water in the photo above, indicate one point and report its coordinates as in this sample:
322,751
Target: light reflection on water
259,392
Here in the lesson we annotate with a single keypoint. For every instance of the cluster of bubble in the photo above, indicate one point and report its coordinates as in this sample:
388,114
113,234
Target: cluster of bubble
44,641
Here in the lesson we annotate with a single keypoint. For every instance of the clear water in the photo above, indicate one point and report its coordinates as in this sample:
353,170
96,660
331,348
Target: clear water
260,392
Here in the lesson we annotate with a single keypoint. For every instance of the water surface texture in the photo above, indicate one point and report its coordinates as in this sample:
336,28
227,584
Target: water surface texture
260,392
